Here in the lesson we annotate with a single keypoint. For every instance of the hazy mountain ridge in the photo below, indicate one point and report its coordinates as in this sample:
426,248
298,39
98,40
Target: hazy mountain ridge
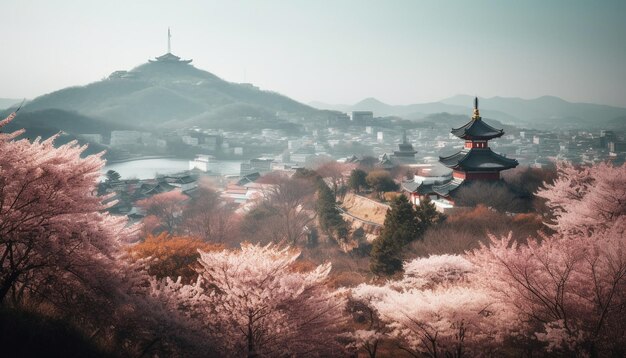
157,95
416,111
547,108
544,111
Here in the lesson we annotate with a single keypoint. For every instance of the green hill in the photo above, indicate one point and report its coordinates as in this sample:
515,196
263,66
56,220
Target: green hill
168,94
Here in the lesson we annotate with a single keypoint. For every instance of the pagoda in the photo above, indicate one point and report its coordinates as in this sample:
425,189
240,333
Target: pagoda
405,153
477,161
169,57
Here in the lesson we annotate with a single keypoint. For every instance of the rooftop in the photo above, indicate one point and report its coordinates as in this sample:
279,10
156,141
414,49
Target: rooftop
169,58
477,129
478,159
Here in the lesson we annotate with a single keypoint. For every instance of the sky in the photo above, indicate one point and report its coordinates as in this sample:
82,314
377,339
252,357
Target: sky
333,51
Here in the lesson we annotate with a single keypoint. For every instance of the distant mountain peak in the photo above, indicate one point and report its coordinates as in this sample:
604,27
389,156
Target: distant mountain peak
371,101
553,99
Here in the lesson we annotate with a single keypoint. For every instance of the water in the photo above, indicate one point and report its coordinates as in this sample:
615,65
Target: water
149,168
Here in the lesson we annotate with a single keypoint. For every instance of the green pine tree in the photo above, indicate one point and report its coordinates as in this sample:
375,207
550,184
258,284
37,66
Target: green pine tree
357,181
402,218
428,214
329,217
385,257
401,227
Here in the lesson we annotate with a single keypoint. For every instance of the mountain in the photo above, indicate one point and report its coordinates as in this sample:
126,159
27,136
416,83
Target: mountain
69,125
46,122
617,123
412,111
547,110
168,92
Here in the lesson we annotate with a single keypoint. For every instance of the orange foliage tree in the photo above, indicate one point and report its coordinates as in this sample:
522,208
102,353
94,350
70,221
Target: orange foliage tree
172,256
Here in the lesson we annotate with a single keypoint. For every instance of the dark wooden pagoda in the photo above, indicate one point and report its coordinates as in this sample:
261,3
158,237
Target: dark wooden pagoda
477,161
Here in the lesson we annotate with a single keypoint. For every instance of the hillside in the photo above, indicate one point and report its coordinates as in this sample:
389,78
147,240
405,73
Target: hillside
46,121
158,94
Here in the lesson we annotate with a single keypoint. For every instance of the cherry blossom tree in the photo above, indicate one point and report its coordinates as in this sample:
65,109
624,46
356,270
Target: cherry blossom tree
288,204
50,218
433,310
568,290
336,172
256,303
61,252
586,199
208,217
166,207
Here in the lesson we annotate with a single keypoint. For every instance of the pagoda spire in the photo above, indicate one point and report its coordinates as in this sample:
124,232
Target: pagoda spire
476,111
404,137
169,42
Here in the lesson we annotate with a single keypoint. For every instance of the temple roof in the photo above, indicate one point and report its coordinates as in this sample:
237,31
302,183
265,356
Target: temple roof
478,160
448,187
405,149
413,187
385,162
170,58
477,129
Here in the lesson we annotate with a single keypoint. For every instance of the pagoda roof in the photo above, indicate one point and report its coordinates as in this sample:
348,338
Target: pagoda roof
478,160
419,188
170,58
405,149
448,187
477,129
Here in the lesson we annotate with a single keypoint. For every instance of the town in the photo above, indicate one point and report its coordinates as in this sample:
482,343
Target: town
322,179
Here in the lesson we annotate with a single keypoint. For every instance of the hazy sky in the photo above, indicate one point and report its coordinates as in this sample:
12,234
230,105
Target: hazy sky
329,50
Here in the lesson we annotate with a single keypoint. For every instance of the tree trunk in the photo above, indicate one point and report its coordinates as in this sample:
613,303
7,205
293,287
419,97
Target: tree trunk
251,349
7,284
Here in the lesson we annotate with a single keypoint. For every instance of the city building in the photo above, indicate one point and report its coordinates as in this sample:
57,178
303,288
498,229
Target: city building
257,165
362,118
202,162
125,138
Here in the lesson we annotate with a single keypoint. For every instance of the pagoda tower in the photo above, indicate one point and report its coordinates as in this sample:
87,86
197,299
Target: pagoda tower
405,153
477,161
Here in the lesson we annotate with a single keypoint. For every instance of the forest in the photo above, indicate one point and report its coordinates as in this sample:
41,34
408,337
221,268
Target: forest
535,269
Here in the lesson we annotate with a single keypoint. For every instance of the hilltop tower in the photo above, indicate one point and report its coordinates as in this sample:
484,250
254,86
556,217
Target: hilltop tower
169,57
477,161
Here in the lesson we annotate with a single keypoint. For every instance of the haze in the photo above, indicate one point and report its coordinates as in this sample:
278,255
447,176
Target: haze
330,51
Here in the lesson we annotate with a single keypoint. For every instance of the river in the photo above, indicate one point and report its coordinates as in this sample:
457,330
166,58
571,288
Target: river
149,168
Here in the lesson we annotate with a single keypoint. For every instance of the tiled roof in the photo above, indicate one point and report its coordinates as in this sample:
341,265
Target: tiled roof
446,188
478,159
477,129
